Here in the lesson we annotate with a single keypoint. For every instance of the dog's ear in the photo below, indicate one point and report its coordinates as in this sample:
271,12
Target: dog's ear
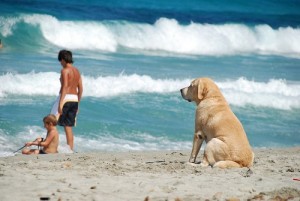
200,89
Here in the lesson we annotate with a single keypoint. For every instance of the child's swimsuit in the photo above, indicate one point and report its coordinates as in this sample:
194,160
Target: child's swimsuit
42,152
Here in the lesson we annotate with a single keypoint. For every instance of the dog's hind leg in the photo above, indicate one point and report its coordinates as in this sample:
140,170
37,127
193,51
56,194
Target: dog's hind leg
215,150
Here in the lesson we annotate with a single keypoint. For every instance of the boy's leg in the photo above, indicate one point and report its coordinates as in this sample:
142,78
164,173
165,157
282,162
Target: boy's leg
30,151
69,136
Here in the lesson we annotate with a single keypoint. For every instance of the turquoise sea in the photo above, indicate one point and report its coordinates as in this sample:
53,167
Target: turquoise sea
135,56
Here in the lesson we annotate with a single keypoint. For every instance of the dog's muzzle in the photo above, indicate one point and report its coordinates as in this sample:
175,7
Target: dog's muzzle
183,95
181,91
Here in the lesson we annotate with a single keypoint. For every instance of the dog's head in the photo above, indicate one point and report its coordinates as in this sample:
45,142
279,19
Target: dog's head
198,90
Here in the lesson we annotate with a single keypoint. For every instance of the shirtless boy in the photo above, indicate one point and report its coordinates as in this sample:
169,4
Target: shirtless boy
50,144
70,94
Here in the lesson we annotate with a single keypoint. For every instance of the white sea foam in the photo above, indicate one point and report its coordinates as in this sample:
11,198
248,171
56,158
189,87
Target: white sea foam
279,94
103,142
275,93
164,35
33,84
147,142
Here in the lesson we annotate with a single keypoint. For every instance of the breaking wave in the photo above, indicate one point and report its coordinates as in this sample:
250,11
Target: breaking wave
165,35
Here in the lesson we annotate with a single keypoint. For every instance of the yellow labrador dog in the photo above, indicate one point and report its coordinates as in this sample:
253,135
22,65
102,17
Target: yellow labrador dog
226,141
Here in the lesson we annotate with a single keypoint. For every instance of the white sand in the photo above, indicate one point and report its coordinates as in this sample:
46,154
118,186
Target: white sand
162,175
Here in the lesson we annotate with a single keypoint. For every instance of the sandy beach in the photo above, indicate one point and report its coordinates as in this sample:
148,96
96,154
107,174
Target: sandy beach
155,175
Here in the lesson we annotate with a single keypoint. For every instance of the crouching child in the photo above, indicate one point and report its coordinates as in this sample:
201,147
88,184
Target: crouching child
50,144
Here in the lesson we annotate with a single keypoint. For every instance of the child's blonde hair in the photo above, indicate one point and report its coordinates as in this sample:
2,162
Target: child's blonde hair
50,119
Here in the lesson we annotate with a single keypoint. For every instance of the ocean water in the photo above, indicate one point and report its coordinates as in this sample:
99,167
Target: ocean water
135,56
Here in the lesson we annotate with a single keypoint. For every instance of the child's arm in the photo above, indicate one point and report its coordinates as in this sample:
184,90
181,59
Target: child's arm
35,142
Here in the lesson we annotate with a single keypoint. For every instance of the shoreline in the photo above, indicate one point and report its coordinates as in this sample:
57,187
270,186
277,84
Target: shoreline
156,175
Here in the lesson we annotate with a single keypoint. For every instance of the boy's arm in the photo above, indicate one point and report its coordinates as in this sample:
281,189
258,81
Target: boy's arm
64,86
35,142
80,89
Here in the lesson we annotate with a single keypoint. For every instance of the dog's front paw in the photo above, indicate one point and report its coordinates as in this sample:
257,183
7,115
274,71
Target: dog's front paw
192,160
